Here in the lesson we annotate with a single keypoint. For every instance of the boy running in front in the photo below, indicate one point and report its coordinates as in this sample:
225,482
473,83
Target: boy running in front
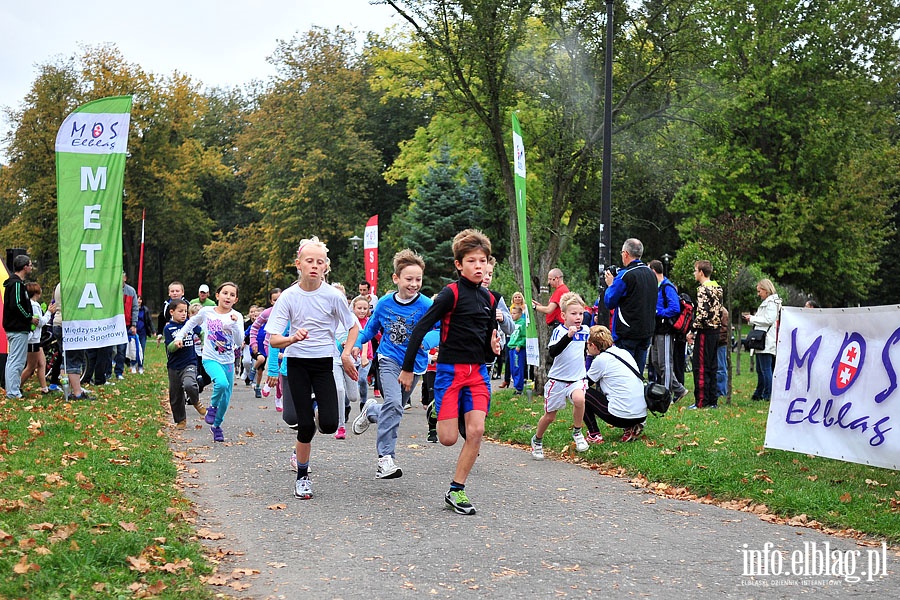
462,387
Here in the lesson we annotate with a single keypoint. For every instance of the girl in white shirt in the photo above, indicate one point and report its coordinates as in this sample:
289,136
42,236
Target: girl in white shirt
224,334
312,311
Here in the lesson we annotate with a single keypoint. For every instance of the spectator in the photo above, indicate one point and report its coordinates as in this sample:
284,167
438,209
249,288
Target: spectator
130,301
766,318
668,306
707,318
74,360
176,292
722,356
17,321
551,311
632,293
203,298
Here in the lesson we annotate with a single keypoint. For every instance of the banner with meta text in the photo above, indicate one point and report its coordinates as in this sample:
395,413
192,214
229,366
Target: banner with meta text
532,352
91,147
835,387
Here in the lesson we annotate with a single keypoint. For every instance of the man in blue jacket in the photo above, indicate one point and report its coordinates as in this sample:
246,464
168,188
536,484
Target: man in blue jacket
631,293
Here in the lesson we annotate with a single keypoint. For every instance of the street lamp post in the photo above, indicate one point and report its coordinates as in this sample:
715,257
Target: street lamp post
268,273
666,258
355,240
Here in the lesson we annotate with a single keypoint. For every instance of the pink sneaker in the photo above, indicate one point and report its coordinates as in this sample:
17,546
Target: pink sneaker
341,433
279,405
594,438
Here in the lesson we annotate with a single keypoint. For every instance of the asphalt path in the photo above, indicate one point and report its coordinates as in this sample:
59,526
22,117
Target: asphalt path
543,528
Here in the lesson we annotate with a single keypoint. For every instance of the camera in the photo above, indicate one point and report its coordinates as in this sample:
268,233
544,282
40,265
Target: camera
612,270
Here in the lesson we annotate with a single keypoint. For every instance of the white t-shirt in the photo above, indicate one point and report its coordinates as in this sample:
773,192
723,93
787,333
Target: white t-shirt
622,387
569,364
223,333
319,312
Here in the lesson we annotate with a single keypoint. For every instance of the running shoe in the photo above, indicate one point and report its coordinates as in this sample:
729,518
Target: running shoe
217,434
341,433
200,408
211,415
632,433
458,501
537,449
279,404
257,392
594,438
361,422
387,468
303,489
294,460
432,436
581,444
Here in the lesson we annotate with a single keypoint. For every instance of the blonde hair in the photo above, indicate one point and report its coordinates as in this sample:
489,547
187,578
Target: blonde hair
767,286
601,337
358,299
407,258
311,241
569,299
193,309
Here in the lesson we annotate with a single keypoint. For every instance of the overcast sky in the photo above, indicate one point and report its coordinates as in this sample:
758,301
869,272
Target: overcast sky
218,42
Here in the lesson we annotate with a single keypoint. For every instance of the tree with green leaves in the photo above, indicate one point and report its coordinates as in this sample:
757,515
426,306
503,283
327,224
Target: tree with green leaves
795,134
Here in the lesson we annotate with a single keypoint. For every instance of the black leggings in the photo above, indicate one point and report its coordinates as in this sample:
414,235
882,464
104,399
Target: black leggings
596,405
307,376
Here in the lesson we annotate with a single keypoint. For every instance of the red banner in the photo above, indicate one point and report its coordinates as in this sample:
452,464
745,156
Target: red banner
370,253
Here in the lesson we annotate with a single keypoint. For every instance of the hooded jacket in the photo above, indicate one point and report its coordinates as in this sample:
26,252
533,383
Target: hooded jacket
17,313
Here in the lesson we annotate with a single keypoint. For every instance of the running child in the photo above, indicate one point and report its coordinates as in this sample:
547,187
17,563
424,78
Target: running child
222,326
181,362
469,341
566,379
312,310
360,308
395,316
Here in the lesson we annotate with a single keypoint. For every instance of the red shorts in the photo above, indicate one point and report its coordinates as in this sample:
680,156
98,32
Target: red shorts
459,389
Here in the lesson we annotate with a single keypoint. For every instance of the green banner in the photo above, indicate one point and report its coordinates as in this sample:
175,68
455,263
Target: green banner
531,338
91,146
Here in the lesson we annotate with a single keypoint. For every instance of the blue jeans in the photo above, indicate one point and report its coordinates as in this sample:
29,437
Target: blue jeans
722,373
638,349
363,384
517,366
222,375
764,364
388,415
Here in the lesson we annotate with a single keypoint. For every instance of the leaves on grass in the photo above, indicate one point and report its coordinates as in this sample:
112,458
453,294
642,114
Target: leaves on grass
24,566
128,526
846,497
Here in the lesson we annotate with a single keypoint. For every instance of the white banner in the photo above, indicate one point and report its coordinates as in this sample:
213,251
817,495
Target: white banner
835,388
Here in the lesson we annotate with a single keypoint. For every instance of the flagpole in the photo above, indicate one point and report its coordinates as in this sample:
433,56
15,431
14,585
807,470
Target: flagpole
141,264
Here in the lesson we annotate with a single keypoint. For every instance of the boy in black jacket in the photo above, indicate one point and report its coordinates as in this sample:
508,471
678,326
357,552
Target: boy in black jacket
469,340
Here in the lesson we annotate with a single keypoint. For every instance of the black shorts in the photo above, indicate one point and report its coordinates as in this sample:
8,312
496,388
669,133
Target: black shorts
34,347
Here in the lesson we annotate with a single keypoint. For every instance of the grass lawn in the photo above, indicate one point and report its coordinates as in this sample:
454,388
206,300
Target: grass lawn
719,454
89,506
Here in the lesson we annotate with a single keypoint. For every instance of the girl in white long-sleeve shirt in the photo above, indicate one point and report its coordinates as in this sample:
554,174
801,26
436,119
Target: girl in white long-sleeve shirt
224,333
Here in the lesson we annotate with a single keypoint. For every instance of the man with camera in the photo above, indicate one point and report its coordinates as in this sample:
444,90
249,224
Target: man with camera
631,292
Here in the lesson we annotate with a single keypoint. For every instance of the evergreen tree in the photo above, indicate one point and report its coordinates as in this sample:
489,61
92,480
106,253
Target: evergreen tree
446,203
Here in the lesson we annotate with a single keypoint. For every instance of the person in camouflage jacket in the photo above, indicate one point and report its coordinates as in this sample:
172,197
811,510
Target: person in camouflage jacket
707,318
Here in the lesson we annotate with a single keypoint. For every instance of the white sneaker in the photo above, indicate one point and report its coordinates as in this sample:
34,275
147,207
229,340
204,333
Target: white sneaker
361,422
133,370
140,370
387,468
294,460
581,444
537,450
303,489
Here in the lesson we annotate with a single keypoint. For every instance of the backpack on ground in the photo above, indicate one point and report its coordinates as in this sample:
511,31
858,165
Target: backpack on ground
681,324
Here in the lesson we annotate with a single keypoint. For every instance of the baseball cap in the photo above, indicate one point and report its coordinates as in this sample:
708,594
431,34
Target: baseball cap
204,288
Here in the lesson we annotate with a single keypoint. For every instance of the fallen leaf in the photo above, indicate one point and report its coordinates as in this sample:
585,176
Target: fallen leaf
127,526
206,534
277,506
846,497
